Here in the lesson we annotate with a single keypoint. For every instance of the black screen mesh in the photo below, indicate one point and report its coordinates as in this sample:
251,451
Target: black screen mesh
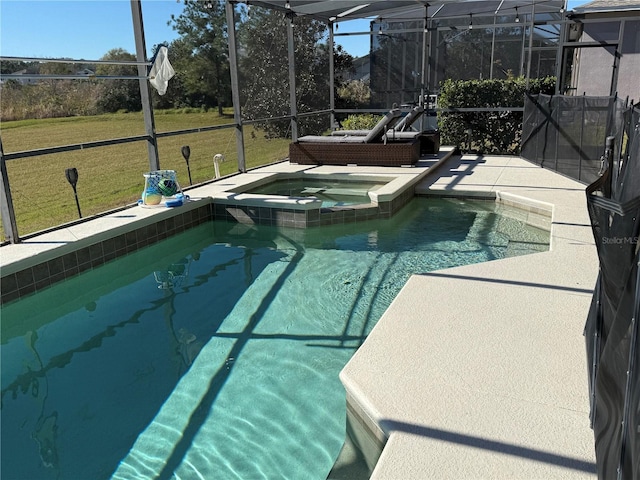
611,331
567,134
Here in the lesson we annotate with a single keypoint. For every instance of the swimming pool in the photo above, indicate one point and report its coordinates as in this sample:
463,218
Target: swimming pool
216,353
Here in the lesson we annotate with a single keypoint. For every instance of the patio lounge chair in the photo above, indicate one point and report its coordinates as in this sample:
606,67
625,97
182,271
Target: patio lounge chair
390,119
403,125
370,149
429,140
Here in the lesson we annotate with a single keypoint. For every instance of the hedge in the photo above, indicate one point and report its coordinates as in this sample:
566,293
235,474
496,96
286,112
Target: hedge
496,132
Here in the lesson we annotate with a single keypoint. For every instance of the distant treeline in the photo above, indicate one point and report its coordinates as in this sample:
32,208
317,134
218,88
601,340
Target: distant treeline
31,98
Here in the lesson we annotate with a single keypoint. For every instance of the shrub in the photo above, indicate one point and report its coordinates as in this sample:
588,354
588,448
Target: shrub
364,121
353,94
497,132
47,99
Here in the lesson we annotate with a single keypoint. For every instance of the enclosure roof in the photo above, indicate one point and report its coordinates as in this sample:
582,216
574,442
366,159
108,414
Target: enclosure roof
341,10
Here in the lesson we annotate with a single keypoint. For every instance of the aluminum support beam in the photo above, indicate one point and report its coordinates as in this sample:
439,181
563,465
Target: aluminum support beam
145,94
560,53
425,74
531,33
292,77
6,203
332,68
235,85
613,90
493,44
425,56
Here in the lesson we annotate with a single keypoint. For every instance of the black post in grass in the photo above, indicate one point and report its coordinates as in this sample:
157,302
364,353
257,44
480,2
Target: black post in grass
72,178
186,153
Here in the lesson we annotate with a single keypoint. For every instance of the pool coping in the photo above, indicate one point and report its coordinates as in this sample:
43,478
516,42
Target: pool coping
469,387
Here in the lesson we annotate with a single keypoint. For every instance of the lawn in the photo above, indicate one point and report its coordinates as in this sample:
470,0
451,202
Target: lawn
111,177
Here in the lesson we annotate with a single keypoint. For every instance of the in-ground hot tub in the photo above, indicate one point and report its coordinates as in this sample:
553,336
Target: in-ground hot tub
332,192
305,199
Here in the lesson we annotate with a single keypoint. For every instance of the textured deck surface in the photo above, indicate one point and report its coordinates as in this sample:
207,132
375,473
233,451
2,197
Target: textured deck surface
480,371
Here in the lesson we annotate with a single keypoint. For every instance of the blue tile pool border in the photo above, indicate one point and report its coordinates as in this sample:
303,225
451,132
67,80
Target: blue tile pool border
38,277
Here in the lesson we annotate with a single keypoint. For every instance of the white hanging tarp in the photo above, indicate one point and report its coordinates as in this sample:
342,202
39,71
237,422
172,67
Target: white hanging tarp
161,71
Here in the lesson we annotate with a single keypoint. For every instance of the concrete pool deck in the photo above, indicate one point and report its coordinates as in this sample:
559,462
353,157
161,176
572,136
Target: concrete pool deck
480,371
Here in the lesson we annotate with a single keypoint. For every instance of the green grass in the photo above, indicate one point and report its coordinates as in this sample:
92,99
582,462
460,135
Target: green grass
111,177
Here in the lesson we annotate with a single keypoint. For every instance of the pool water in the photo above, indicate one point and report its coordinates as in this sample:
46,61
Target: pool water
216,353
331,192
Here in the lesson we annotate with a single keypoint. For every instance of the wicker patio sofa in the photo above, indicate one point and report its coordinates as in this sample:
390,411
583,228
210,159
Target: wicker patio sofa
372,149
393,154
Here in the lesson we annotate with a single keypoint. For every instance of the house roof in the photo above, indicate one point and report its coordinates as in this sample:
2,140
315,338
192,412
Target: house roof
341,10
602,6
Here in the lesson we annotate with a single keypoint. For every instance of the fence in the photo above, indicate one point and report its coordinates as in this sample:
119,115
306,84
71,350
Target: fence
611,332
567,134
596,140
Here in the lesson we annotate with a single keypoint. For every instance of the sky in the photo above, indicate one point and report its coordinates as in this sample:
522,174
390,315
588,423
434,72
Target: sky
88,29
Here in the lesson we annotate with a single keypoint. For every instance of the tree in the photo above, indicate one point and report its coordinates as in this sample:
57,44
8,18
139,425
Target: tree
204,46
264,69
353,94
12,66
343,69
55,68
396,57
119,94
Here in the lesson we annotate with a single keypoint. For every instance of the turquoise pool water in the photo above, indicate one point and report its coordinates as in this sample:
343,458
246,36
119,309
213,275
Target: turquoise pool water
215,354
331,192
